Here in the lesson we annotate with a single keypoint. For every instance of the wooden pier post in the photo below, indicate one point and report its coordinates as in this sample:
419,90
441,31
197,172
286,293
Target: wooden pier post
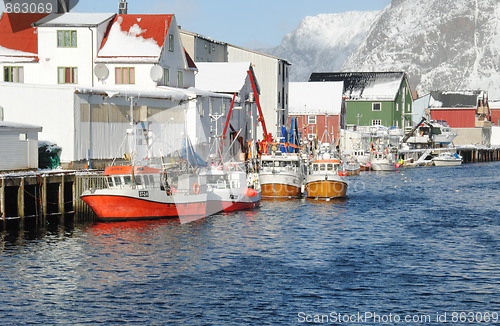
61,199
2,202
44,201
20,199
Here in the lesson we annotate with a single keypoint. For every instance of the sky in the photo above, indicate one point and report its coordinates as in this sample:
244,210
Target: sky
254,24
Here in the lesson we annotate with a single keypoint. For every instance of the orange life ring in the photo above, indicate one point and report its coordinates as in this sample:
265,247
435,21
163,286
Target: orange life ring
196,188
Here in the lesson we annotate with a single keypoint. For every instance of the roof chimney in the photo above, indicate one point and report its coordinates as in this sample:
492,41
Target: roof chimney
122,7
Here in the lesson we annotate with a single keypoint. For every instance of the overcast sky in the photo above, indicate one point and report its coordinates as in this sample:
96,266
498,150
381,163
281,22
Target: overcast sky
261,23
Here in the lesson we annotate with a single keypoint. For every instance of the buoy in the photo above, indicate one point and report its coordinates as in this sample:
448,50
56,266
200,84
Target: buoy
251,192
196,188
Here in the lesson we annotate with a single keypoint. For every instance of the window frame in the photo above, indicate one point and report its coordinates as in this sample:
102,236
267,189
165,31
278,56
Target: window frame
61,43
166,76
180,78
73,75
376,122
13,71
379,106
120,71
170,42
311,119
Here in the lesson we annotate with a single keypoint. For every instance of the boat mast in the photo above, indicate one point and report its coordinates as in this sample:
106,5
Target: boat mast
133,139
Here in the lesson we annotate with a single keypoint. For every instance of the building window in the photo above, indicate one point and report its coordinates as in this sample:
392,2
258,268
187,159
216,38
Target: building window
67,75
397,107
171,42
409,109
124,75
23,137
66,39
13,74
311,119
166,76
376,106
180,79
376,122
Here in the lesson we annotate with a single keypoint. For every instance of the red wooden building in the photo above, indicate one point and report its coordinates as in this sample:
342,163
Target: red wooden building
317,106
461,109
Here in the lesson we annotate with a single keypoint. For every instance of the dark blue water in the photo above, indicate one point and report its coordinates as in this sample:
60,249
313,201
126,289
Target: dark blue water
419,243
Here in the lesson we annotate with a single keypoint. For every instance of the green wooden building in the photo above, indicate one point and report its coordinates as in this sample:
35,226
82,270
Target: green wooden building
373,98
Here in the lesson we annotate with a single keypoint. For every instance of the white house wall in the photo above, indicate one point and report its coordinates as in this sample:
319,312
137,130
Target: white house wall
50,107
52,57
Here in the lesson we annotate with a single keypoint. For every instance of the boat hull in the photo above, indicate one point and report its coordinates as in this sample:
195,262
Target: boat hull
127,207
280,190
376,166
281,185
326,189
446,162
228,201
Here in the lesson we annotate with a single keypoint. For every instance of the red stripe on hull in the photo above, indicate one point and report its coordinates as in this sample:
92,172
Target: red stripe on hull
127,208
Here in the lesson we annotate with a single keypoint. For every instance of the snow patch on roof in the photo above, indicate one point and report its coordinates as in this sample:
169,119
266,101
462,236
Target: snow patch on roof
315,98
221,77
387,90
15,53
129,42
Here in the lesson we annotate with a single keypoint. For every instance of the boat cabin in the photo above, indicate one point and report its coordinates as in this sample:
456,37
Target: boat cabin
325,166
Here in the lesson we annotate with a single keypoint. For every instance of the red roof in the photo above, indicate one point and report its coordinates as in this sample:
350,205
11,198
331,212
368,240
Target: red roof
16,32
152,26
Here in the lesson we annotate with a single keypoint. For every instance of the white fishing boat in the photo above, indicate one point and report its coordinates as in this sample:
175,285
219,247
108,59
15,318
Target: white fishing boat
281,175
447,159
383,161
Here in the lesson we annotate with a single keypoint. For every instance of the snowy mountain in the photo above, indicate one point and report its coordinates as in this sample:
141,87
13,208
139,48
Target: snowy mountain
442,45
322,43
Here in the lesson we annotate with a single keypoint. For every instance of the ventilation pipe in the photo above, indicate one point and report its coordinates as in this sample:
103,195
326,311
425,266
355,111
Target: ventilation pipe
122,7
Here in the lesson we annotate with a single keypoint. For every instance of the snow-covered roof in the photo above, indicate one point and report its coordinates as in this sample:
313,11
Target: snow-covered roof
163,92
18,38
455,99
8,125
135,36
366,86
315,98
74,19
160,92
221,77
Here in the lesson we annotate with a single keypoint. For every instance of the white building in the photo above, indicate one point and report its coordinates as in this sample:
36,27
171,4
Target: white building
271,73
18,146
81,73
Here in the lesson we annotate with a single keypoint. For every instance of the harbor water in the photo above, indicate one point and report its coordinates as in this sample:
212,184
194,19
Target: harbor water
420,246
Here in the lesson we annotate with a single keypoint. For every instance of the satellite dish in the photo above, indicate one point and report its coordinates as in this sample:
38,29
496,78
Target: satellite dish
156,73
101,71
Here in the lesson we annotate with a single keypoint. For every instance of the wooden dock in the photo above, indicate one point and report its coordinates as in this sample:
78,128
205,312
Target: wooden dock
35,196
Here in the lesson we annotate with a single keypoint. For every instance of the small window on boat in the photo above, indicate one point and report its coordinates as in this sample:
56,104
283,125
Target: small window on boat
152,180
117,181
322,167
315,167
110,182
138,180
329,166
146,180
127,180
